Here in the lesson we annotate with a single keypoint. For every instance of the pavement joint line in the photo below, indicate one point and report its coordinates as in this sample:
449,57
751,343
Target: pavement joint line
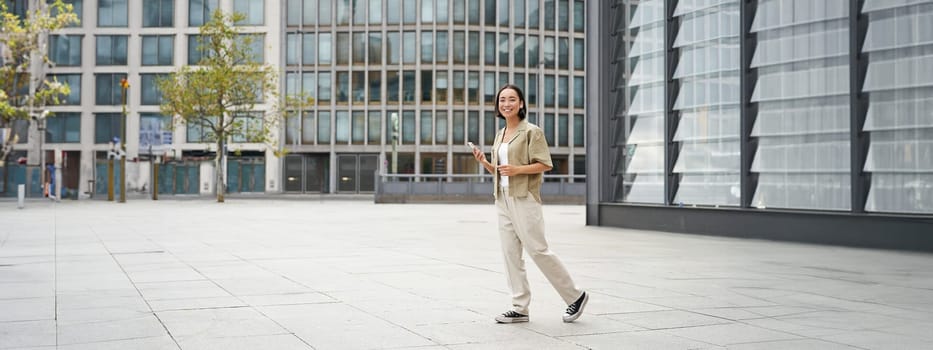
138,292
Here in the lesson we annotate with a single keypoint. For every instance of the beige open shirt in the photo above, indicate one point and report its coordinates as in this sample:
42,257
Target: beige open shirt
527,146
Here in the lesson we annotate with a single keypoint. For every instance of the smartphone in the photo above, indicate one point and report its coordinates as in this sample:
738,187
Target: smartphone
472,146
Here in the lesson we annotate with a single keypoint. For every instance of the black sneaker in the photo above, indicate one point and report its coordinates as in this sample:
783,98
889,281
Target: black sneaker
576,309
511,317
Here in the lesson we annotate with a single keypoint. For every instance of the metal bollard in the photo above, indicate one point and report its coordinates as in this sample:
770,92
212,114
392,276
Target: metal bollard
21,196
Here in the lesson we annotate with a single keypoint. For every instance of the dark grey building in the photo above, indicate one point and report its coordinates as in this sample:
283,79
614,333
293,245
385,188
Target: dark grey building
788,119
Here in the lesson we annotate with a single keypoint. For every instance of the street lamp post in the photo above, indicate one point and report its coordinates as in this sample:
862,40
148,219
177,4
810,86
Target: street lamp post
40,126
124,84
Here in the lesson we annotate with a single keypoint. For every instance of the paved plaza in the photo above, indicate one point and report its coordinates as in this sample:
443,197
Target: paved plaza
305,273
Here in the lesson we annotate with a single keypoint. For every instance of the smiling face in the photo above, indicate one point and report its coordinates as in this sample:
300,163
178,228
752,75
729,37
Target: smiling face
509,103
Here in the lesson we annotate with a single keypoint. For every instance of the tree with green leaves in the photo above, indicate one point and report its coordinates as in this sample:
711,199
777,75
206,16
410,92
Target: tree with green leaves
219,95
24,90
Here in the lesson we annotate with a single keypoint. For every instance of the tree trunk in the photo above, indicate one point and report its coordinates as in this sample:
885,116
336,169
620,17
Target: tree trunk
218,165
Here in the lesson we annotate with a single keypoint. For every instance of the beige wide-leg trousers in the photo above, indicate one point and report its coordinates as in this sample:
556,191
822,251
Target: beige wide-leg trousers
521,225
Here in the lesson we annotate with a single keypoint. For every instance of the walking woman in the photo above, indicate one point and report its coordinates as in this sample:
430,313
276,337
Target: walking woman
520,156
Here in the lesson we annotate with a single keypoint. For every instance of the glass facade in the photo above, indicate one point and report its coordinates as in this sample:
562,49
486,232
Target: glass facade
766,104
429,63
899,121
433,65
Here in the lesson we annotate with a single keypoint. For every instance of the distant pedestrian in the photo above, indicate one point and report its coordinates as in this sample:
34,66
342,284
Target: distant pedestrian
520,156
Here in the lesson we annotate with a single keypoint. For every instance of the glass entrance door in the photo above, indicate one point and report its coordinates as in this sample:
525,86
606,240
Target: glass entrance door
307,173
356,173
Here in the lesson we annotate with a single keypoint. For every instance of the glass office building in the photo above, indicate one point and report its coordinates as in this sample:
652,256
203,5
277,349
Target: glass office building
433,64
732,116
435,67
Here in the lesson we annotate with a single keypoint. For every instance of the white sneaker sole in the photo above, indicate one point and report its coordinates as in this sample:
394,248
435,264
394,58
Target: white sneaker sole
574,317
501,319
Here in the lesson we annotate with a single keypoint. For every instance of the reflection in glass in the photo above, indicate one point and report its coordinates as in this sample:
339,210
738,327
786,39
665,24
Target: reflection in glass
802,93
707,103
899,84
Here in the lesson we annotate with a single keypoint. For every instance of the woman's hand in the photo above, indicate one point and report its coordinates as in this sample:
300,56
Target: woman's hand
509,170
479,155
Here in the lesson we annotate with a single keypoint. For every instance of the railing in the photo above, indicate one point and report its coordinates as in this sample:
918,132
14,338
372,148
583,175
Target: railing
458,188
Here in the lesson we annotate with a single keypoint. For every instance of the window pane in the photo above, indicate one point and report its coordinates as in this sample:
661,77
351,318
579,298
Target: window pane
563,90
427,86
533,14
473,127
111,50
519,48
111,13
579,130
359,126
325,15
490,12
408,127
427,47
309,47
443,12
563,16
200,11
408,87
359,87
504,50
442,52
519,17
375,86
324,88
74,84
375,49
150,94
393,84
308,129
158,13
65,50
442,85
578,21
108,88
427,12
409,43
563,128
343,48
474,48
489,128
440,128
458,128
410,11
459,11
427,128
375,11
473,88
374,128
359,47
342,130
253,10
473,11
343,12
549,14
324,49
490,50
323,128
393,11
489,88
563,57
578,92
343,87
393,48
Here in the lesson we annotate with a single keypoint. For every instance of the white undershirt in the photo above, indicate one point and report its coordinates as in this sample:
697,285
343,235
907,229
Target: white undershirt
504,160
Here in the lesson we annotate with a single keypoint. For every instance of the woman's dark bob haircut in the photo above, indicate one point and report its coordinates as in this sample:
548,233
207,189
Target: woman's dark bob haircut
521,97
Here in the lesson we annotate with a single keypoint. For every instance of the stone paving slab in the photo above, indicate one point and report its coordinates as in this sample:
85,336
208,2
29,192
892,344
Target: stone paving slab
350,274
